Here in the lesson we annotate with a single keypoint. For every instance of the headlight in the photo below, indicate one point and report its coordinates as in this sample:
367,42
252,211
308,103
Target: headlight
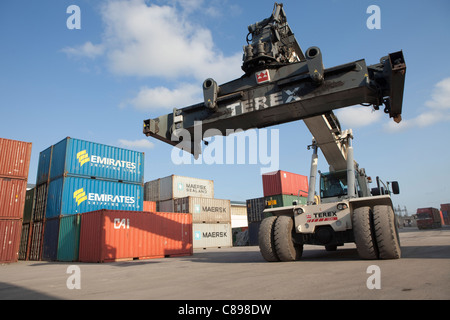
298,211
342,206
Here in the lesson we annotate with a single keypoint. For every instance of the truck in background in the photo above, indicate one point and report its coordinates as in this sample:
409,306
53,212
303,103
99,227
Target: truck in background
428,218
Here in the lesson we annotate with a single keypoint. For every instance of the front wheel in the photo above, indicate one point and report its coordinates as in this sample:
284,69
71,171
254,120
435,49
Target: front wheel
386,232
366,244
266,239
287,249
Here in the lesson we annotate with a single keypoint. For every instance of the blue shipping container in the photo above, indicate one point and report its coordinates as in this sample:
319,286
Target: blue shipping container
74,195
50,243
74,157
43,170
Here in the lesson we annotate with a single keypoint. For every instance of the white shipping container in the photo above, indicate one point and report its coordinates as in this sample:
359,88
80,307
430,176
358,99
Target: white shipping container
212,235
207,210
174,186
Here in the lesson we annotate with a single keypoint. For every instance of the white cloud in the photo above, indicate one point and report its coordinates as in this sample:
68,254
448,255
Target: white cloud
437,109
159,41
88,50
440,98
357,116
163,98
139,144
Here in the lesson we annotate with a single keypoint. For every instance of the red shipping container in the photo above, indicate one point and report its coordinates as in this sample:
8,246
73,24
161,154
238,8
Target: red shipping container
150,206
112,235
283,182
12,198
14,158
10,231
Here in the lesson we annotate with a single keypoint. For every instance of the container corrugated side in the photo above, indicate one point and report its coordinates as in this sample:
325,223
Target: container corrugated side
29,204
149,206
24,241
212,235
255,208
69,237
253,230
10,231
151,190
50,243
166,206
14,158
111,235
283,200
207,210
40,204
74,157
12,198
36,240
283,182
43,171
74,195
175,186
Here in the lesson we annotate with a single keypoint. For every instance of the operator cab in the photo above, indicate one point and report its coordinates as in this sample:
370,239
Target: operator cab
333,184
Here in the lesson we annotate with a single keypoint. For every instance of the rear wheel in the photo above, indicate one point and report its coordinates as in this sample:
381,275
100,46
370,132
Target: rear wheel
266,239
386,231
286,248
365,240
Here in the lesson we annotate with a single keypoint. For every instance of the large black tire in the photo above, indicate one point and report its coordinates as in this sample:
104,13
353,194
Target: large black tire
364,234
386,232
266,239
286,248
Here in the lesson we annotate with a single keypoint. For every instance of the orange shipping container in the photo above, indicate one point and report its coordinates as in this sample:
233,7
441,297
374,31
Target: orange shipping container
111,235
14,158
10,231
150,206
12,198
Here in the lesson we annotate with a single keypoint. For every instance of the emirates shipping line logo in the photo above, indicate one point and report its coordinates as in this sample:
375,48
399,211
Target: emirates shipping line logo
103,199
79,196
83,157
97,161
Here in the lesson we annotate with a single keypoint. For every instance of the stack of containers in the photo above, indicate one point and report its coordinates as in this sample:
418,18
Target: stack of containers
281,189
14,166
81,176
445,213
211,218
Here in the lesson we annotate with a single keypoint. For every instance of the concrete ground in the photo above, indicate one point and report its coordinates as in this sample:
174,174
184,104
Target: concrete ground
240,273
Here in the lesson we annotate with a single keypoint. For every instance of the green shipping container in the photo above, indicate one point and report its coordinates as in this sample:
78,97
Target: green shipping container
283,200
69,237
29,205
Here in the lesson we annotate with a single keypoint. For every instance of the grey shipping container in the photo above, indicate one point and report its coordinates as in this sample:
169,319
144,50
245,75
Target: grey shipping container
255,208
174,186
165,206
212,235
207,210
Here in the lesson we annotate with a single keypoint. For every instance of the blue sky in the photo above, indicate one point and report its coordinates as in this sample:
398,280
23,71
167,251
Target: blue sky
134,60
